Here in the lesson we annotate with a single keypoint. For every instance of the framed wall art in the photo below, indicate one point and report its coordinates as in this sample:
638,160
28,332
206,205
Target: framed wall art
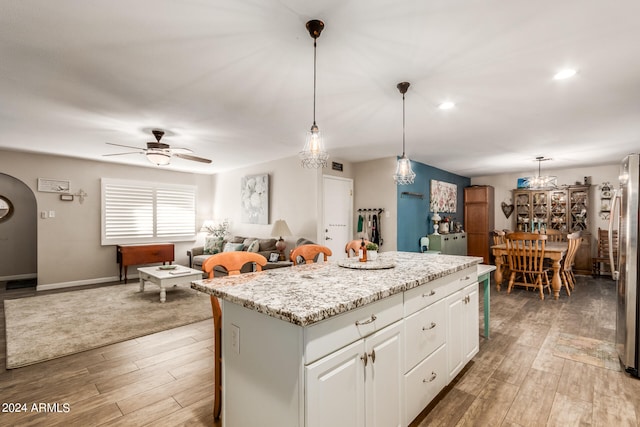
444,197
254,197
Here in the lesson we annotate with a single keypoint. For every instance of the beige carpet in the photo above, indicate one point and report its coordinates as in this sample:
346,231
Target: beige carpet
49,326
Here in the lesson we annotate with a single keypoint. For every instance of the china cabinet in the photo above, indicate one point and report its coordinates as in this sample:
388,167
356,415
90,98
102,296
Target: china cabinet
564,209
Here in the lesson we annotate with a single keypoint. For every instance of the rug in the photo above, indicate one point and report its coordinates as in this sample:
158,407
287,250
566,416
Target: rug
50,326
586,350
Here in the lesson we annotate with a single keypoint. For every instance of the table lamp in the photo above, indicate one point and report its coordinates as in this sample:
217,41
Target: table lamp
280,228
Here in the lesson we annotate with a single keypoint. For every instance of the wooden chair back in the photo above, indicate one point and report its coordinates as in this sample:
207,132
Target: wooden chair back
525,251
354,246
602,250
498,237
232,262
309,253
555,235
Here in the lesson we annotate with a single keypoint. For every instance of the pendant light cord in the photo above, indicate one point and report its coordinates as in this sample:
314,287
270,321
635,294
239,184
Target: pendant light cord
403,125
314,81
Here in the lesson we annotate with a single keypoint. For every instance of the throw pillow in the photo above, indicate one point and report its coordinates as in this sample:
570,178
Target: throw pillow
212,245
254,246
232,247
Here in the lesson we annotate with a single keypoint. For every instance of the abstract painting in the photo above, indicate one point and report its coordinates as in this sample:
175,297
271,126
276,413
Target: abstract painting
444,197
254,198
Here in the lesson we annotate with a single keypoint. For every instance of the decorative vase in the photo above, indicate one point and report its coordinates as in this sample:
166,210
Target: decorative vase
372,255
444,228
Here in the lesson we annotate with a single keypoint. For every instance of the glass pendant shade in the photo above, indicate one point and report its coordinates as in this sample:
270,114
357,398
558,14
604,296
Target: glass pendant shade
404,174
314,155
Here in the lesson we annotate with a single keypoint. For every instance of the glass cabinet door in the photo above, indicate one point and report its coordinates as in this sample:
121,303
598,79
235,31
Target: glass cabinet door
540,211
558,210
522,208
578,206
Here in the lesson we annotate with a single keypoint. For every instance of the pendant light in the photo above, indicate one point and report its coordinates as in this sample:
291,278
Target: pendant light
404,175
314,155
540,181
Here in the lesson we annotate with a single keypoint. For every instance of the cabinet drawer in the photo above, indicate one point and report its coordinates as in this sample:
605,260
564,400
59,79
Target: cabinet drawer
424,382
424,331
422,296
329,335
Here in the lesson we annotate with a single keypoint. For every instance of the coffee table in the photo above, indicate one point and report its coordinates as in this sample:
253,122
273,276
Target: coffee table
165,278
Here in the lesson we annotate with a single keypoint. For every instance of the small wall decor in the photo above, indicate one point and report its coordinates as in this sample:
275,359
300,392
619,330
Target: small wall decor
254,198
605,200
507,209
444,197
53,185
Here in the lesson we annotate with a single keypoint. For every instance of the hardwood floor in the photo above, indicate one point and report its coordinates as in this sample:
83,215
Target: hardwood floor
548,363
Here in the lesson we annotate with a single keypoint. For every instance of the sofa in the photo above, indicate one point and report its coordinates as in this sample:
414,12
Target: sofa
199,254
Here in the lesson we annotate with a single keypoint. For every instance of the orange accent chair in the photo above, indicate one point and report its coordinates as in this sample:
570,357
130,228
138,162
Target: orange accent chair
309,253
232,262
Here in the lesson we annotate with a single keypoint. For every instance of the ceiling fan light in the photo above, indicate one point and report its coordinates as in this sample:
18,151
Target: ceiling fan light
158,158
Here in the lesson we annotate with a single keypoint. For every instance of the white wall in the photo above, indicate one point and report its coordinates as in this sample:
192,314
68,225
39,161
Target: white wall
69,250
374,188
504,185
294,195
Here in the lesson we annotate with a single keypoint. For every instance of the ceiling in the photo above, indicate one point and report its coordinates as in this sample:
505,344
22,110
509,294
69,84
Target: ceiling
233,80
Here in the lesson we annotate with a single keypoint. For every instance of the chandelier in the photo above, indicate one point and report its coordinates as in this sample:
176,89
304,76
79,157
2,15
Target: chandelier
314,155
404,175
541,181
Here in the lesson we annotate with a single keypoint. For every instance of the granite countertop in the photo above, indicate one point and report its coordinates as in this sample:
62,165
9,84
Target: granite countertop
309,293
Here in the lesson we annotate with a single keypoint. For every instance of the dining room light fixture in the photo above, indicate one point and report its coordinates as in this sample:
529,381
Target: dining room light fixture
541,181
404,175
314,154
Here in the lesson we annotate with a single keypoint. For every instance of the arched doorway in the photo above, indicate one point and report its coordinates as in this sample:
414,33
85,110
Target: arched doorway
18,233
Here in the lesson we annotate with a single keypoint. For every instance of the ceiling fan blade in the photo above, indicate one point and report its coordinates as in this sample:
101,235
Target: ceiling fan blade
194,158
120,154
181,151
126,146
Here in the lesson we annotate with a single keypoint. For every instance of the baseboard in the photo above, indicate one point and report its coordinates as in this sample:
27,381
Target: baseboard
75,283
18,277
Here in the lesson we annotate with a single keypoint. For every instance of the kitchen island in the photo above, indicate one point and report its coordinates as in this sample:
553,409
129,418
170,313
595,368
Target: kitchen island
321,344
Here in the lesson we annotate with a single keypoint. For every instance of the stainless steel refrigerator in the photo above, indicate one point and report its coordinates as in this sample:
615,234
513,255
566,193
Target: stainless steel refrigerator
626,267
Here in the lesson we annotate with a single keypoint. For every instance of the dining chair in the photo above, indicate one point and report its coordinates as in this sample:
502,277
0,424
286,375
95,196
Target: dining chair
566,271
555,235
499,237
525,253
308,253
233,263
602,251
354,246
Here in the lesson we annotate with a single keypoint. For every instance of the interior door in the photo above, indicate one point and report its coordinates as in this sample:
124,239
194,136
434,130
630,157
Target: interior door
338,214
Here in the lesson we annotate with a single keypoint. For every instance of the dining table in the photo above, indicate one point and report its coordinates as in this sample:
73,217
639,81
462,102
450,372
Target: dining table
554,251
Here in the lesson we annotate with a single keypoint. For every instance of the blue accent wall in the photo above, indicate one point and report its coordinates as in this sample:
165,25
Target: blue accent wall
414,218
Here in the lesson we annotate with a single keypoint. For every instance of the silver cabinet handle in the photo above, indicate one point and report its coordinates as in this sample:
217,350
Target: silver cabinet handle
364,358
433,377
373,356
365,322
430,294
426,328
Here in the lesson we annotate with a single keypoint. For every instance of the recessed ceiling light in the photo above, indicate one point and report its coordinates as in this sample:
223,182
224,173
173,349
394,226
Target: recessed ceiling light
565,74
446,105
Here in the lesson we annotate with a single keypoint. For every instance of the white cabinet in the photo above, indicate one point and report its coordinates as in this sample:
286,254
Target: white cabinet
462,328
359,385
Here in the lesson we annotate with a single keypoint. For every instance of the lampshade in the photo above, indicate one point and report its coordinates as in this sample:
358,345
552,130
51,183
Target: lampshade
404,174
158,158
313,155
280,228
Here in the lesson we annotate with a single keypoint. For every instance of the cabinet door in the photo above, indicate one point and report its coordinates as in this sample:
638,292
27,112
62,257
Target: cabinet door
455,330
383,378
335,389
471,343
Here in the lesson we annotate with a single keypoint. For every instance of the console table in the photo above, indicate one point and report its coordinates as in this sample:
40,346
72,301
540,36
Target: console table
143,254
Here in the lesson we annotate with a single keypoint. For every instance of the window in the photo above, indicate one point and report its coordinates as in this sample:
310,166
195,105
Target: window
146,212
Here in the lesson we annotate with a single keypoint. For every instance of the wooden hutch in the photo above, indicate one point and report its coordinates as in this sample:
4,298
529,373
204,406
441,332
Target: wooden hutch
565,209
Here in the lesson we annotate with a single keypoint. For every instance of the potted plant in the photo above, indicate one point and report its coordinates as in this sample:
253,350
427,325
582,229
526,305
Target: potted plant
372,251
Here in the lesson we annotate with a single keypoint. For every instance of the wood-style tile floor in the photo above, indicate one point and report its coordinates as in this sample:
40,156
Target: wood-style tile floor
548,363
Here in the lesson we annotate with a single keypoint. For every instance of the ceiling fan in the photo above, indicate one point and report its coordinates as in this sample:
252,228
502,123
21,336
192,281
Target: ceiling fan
160,153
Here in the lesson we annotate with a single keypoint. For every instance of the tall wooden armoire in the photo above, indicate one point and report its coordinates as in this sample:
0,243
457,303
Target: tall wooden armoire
479,220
